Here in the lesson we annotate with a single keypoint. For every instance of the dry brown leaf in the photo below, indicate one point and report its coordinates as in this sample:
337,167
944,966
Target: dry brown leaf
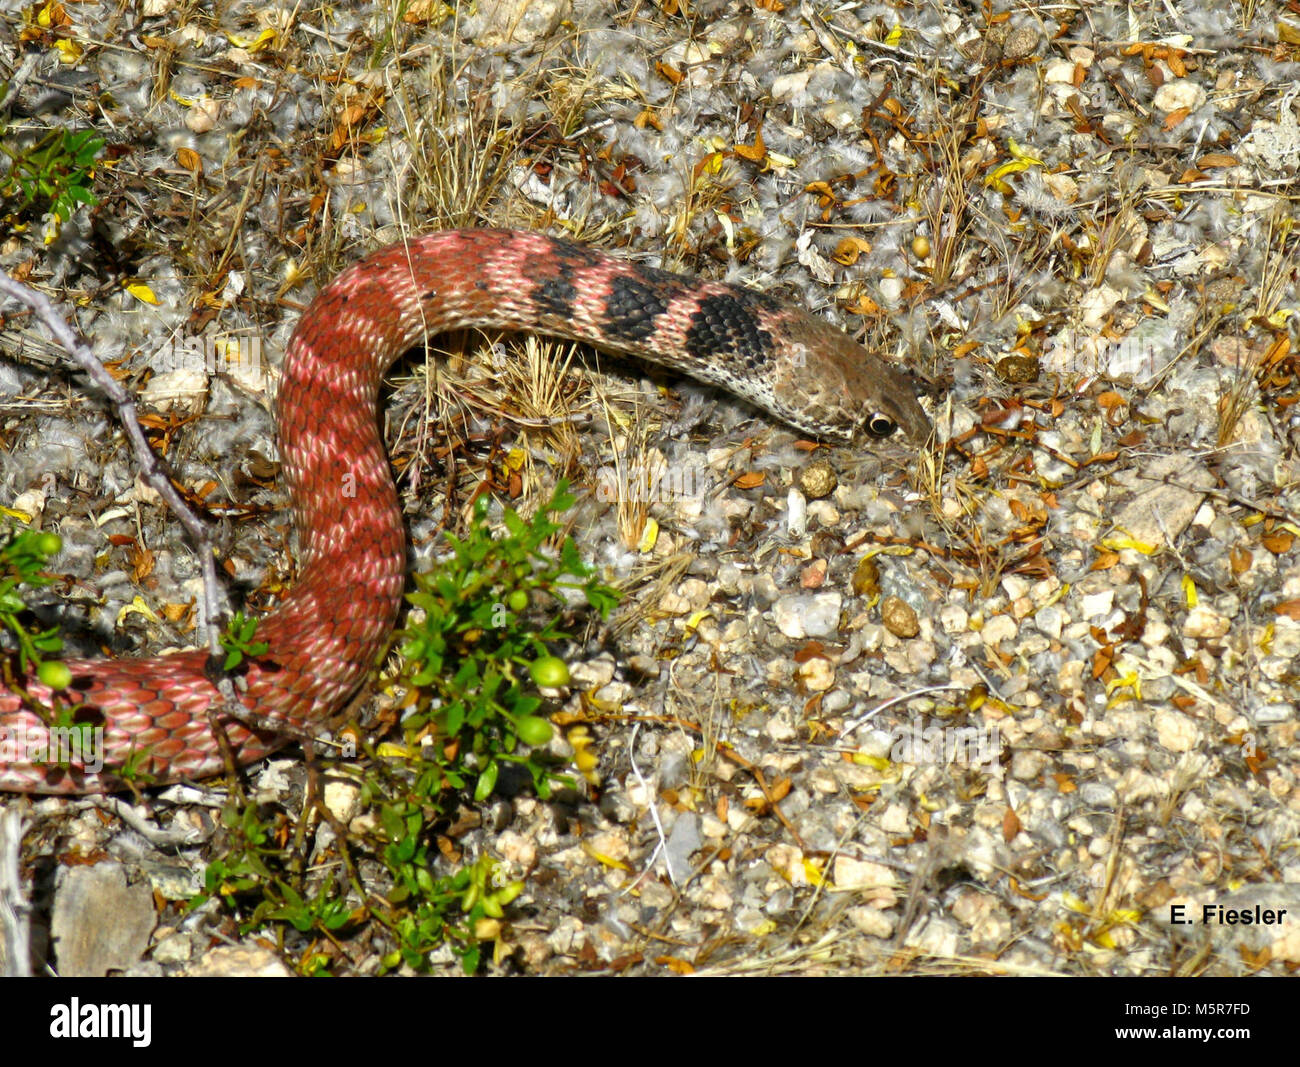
1278,541
756,152
672,74
1289,608
849,249
1102,659
1010,825
751,480
812,650
1025,893
1277,352
1256,960
863,305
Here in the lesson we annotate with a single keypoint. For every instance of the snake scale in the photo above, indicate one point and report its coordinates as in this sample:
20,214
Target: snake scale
325,634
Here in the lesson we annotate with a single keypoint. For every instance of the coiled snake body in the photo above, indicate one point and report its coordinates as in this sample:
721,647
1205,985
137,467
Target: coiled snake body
326,633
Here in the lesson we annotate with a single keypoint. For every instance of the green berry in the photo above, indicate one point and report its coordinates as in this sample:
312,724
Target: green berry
517,601
49,544
533,730
550,671
54,674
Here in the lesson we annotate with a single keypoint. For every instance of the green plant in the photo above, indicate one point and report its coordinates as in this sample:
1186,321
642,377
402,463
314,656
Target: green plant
473,662
23,558
237,640
55,173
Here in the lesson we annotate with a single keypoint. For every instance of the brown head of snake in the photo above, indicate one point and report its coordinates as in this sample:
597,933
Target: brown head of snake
325,634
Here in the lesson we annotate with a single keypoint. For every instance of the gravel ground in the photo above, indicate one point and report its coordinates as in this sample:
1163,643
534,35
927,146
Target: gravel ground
1023,704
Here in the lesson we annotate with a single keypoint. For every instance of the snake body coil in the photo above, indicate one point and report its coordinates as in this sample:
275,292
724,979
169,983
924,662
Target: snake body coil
325,634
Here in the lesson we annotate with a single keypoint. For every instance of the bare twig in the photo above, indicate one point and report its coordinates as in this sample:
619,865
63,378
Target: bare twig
152,468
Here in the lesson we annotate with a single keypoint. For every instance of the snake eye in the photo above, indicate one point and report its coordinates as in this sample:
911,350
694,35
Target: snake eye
880,425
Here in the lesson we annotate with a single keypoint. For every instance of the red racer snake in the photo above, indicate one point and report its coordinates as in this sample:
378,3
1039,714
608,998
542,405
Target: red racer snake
325,635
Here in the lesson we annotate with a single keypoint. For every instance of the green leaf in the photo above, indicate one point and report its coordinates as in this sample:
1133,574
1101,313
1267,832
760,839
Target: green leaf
487,781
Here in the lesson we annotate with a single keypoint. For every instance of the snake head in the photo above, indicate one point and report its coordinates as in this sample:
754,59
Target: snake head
831,386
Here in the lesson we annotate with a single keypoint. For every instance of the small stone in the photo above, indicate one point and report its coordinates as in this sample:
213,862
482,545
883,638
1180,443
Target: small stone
1097,604
1179,94
684,53
342,800
1059,72
610,844
998,629
796,514
238,961
895,819
954,619
183,389
175,948
1027,765
1204,622
815,615
874,880
102,921
1062,186
1271,714
1176,731
1017,369
872,921
816,675
899,617
519,22
813,576
787,86
818,480
1050,620
593,674
203,115
517,850
1020,42
839,115
1167,500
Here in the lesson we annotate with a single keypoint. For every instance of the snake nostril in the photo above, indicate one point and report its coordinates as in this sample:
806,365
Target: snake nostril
880,425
